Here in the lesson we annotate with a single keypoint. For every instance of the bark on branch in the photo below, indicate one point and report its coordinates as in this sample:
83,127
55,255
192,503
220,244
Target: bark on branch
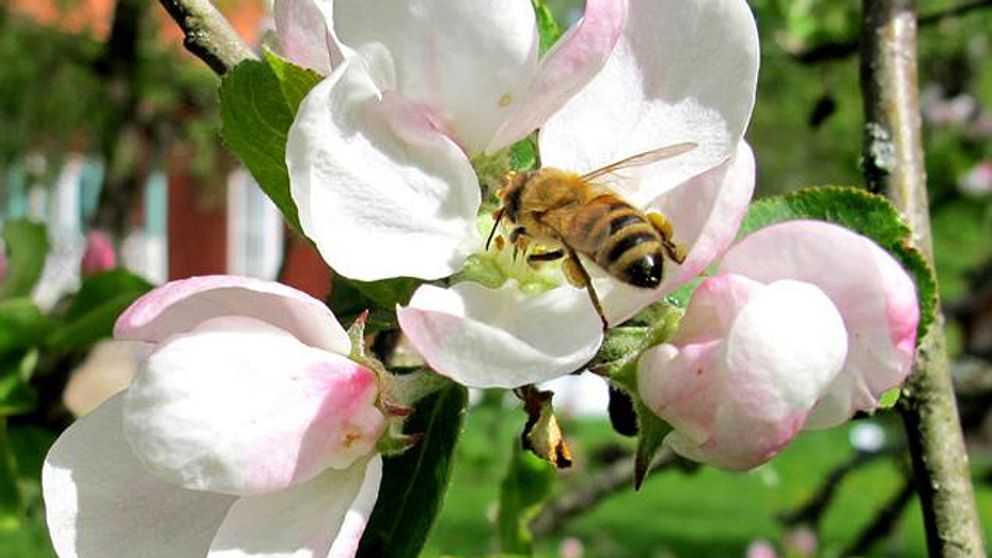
208,35
893,159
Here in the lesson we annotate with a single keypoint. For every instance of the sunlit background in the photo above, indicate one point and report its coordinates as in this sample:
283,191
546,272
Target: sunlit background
106,124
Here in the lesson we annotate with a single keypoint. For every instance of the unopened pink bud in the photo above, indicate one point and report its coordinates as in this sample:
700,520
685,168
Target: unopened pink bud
100,255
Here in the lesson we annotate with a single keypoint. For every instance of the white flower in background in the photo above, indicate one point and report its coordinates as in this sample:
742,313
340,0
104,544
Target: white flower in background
804,324
247,432
380,152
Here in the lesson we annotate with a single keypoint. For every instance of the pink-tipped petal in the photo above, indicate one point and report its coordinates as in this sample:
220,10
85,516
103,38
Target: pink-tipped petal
483,337
736,401
101,503
568,66
875,296
323,518
240,407
683,70
380,190
304,29
705,213
181,305
469,61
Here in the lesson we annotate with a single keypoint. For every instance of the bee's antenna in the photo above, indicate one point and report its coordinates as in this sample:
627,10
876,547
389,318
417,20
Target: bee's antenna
499,216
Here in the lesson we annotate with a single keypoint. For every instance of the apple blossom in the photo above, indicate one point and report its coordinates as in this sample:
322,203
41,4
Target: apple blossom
247,431
380,154
804,324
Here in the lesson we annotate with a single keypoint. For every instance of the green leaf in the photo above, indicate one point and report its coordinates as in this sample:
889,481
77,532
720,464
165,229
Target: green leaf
29,445
22,325
865,213
294,81
16,396
258,104
651,432
95,309
527,484
98,289
547,26
349,298
414,483
523,155
26,247
11,500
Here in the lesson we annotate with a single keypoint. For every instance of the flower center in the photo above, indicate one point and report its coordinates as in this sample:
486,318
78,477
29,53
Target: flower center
505,261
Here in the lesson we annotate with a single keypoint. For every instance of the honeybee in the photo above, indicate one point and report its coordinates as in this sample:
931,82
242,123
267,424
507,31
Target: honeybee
569,214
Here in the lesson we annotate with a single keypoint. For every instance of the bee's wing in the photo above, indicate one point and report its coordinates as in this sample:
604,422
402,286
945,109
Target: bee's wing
641,159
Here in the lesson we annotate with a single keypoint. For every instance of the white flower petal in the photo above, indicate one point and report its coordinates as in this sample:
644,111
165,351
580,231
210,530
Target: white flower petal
684,70
705,213
574,60
468,61
181,305
101,503
379,189
240,407
323,518
789,335
483,337
304,31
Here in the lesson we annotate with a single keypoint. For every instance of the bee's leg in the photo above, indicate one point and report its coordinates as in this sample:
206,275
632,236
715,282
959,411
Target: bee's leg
664,228
534,259
498,216
577,275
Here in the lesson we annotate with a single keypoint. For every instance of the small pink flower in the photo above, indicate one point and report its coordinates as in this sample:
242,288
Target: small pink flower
246,431
99,255
761,549
804,324
978,180
801,541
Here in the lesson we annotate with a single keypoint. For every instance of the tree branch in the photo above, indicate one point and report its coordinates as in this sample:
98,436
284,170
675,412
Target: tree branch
811,512
884,521
893,165
838,50
616,477
208,35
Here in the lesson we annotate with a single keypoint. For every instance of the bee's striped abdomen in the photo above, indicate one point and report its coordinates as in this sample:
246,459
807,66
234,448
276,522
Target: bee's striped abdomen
632,251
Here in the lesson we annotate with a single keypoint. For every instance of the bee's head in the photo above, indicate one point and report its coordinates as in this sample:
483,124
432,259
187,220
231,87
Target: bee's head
509,192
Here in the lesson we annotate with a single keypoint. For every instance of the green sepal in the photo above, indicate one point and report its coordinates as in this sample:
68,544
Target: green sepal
618,359
865,213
